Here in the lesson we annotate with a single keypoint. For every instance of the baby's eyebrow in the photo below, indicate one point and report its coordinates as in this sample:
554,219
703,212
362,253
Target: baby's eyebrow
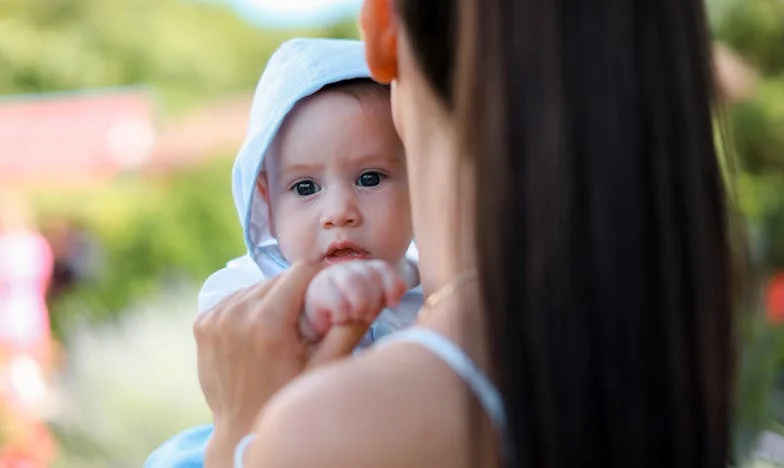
300,167
387,157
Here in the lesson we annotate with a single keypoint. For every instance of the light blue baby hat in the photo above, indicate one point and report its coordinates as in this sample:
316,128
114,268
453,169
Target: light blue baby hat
297,69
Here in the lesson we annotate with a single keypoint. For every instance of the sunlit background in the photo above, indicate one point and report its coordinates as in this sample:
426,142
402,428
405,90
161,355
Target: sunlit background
119,121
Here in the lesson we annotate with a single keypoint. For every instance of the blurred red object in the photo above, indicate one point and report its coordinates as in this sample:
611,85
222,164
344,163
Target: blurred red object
775,298
74,138
25,442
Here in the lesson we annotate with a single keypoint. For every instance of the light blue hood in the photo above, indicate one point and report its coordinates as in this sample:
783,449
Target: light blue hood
299,68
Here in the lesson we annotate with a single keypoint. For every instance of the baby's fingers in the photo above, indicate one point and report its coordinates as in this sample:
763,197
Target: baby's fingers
394,286
326,305
362,286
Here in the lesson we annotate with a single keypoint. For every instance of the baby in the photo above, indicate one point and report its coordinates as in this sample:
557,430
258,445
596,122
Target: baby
321,177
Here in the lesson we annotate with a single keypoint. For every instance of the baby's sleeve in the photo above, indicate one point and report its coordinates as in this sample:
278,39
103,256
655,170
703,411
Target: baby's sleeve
185,450
239,273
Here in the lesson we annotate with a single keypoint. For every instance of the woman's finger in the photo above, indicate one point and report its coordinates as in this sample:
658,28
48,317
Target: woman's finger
338,343
286,298
232,308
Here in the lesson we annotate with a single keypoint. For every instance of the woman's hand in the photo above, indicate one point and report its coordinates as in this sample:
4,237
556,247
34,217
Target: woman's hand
249,346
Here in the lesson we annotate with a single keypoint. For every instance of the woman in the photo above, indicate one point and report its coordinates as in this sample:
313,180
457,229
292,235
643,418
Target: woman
570,214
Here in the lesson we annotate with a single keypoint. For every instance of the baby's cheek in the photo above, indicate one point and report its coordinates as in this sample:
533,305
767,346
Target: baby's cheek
295,242
393,228
401,208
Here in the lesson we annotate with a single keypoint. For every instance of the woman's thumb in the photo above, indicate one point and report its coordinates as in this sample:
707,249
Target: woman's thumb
338,343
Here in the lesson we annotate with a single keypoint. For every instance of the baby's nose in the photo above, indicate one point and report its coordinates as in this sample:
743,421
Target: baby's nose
341,211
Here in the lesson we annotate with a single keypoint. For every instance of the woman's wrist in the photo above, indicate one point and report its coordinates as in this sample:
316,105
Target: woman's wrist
219,452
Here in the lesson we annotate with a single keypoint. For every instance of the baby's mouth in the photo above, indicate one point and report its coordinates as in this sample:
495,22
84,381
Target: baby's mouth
343,253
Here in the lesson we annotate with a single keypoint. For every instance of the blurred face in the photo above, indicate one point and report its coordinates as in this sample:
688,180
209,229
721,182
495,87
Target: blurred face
335,181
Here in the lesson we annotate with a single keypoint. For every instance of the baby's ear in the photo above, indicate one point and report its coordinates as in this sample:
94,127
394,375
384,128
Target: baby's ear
263,187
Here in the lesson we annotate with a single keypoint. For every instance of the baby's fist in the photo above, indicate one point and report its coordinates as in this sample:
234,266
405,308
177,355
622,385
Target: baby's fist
353,291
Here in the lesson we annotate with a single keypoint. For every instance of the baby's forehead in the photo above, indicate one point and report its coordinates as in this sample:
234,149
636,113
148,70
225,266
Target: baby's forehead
364,90
374,105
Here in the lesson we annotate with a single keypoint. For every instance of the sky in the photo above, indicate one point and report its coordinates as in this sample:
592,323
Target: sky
294,13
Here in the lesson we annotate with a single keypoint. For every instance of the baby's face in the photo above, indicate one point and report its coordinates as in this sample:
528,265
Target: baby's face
335,181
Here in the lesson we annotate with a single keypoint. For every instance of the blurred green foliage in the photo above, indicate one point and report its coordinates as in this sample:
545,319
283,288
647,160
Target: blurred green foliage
755,29
152,233
186,50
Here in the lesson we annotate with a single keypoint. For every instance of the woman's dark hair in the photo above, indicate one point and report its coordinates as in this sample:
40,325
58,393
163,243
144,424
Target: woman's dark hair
602,221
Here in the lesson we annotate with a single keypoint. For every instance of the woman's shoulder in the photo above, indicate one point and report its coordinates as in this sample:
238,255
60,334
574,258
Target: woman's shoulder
376,409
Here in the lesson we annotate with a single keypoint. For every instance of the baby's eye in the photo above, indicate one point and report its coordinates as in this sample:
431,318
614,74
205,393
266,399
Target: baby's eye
370,179
305,188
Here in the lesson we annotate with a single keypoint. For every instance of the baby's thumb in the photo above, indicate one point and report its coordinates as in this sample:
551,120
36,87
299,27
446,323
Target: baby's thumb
338,343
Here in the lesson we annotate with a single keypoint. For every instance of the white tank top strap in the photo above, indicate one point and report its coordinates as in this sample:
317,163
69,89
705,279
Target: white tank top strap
453,356
485,391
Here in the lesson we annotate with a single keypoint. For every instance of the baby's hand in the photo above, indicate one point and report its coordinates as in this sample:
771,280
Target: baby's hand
354,291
